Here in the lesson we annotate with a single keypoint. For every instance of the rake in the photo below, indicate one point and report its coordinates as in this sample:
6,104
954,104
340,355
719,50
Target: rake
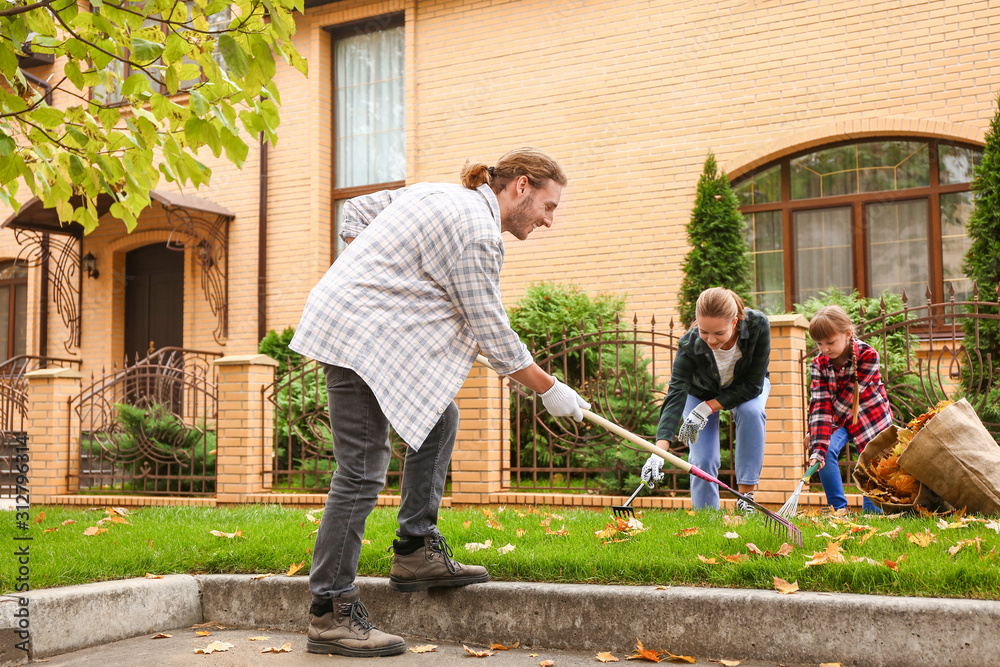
791,505
776,523
627,509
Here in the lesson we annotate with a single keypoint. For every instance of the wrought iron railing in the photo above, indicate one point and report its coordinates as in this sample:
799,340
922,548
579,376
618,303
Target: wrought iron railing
925,359
623,371
303,444
14,406
149,427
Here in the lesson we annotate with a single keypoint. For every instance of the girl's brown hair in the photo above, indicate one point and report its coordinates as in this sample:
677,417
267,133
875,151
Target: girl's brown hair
720,302
830,321
537,165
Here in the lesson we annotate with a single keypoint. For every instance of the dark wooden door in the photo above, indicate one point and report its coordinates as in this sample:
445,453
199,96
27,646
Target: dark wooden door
154,299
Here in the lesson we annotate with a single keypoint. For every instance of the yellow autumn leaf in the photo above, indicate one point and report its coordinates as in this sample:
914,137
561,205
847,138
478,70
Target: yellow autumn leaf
284,648
561,531
923,539
203,633
51,530
257,639
501,647
785,549
472,547
683,658
521,532
754,549
731,521
864,559
295,567
687,532
830,664
215,647
547,663
728,663
642,653
734,558
219,533
262,576
68,522
506,549
94,530
731,535
708,561
162,635
606,656
609,531
478,654
423,648
153,576
311,519
784,587
495,525
40,517
892,534
487,512
466,524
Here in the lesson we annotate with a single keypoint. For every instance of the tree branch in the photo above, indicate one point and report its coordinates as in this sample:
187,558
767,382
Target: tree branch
14,11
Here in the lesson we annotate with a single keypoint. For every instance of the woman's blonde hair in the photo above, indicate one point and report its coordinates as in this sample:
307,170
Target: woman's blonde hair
830,321
537,165
720,302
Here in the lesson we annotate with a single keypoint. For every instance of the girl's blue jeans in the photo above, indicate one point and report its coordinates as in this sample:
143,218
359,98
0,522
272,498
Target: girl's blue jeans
751,421
829,474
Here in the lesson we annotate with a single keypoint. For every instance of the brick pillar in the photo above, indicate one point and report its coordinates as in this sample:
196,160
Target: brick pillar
477,462
244,447
786,424
52,438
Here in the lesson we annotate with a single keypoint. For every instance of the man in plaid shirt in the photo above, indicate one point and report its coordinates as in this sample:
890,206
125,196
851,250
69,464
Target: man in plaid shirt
396,324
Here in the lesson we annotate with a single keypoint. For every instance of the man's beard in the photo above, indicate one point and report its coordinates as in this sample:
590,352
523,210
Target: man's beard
518,220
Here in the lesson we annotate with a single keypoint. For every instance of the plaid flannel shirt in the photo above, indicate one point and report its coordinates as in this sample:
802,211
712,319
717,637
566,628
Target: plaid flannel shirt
412,300
831,399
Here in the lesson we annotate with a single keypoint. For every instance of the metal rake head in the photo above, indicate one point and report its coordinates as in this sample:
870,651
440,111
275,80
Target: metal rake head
627,509
777,523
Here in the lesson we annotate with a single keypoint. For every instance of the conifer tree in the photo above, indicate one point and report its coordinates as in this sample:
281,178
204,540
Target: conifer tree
719,255
982,261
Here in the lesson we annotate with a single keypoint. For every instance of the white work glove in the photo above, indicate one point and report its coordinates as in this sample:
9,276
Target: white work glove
561,401
652,470
694,422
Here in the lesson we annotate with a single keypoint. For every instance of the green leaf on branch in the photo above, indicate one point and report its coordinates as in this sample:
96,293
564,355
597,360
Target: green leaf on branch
234,55
145,51
47,117
135,84
7,145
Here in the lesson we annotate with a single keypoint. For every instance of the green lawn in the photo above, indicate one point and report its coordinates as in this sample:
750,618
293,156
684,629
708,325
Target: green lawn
165,540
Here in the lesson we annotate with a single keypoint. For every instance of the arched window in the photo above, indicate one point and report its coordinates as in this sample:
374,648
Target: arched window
877,215
13,309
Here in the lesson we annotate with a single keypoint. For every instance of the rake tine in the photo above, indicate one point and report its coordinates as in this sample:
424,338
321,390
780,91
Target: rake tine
791,505
776,524
627,509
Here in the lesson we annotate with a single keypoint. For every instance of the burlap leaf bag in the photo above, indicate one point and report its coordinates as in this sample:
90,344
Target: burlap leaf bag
881,445
956,456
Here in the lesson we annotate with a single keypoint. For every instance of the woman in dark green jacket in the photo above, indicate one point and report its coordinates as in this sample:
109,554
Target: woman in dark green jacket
721,364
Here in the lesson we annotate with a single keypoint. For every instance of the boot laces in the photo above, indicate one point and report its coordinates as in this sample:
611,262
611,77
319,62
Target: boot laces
440,545
357,613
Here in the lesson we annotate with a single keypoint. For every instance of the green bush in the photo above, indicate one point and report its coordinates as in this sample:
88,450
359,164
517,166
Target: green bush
553,320
275,345
155,439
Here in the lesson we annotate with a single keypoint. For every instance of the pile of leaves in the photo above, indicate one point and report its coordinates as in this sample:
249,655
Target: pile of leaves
886,480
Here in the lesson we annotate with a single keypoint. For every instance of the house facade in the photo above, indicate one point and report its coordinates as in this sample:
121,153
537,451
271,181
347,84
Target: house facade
849,130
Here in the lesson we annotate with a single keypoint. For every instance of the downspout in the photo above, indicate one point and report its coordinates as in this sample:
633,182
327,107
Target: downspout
43,292
39,82
262,243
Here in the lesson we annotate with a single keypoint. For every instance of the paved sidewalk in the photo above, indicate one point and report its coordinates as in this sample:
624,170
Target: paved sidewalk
179,650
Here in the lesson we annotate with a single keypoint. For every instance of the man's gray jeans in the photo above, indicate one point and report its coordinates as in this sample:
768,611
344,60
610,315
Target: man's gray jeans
361,448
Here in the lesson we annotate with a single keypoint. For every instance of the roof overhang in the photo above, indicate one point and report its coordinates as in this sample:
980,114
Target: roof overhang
34,216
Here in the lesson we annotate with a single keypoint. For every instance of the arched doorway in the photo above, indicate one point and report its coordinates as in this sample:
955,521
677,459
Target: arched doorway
154,299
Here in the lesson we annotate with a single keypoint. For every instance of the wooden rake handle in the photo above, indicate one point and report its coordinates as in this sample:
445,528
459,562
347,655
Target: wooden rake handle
619,431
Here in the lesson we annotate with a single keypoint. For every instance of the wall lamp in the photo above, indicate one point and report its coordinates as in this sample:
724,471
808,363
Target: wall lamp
90,265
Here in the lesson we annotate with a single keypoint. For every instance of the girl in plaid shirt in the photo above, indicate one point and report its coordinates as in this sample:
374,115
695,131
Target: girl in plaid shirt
847,398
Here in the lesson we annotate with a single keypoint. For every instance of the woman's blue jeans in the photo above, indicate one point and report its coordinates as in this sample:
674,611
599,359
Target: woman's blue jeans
751,422
829,474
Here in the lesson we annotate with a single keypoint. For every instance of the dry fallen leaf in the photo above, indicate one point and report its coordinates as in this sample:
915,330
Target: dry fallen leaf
472,547
295,567
215,647
311,519
40,517
784,587
262,576
728,663
609,531
754,549
734,558
423,648
257,639
994,526
732,535
547,663
643,653
974,542
561,531
478,654
219,533
708,561
683,658
864,559
119,511
732,520
284,648
69,521
162,635
923,539
466,524
94,530
203,633
892,534
495,525
830,664
521,532
661,587
784,550
687,532
532,655
606,656
506,549
501,647
892,565
153,576
51,530
209,624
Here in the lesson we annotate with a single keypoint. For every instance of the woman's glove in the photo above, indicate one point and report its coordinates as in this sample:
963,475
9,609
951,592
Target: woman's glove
694,422
651,470
561,401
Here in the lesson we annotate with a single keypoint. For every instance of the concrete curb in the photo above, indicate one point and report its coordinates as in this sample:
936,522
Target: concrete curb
761,625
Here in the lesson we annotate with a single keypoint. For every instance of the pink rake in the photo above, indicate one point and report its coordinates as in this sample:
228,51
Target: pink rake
776,523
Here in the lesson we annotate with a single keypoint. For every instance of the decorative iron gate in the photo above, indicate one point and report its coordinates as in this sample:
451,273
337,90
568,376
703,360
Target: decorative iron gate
934,364
14,406
303,443
149,428
623,371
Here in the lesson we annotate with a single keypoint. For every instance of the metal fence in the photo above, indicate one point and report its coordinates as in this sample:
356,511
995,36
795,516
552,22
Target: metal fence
925,359
623,371
149,427
303,444
14,407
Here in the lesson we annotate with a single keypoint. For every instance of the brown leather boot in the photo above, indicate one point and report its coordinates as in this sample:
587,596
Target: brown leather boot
346,631
432,565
